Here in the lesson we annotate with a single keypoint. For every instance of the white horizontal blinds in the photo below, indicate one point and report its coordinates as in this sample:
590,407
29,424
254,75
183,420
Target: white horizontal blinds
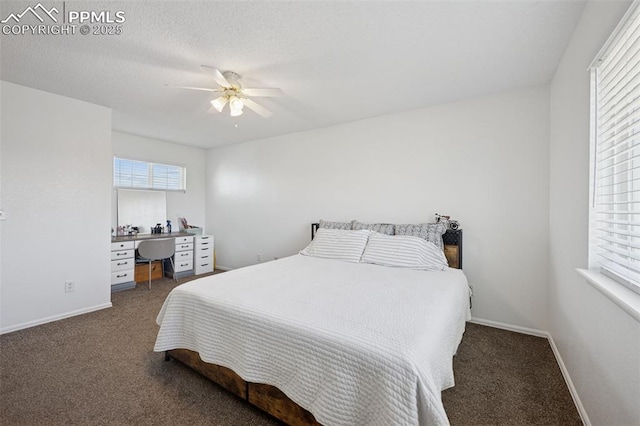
168,177
134,174
617,154
131,174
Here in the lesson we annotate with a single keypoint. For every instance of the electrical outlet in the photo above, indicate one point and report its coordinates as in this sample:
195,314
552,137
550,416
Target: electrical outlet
259,258
69,286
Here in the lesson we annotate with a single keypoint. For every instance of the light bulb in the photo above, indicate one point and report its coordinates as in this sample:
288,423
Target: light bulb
236,105
219,103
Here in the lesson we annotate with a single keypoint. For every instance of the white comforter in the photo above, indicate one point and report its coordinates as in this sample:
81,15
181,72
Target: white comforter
355,344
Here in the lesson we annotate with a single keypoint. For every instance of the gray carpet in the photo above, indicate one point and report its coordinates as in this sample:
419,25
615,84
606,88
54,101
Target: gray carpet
99,369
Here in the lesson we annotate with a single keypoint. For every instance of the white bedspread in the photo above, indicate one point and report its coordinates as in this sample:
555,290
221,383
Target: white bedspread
355,344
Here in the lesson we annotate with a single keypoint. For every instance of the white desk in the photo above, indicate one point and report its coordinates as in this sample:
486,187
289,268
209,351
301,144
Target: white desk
194,254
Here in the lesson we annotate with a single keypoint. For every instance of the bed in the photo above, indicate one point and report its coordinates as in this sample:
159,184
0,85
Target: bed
322,341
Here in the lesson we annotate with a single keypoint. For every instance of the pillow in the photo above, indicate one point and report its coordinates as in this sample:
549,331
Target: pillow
404,251
337,244
428,231
334,225
383,228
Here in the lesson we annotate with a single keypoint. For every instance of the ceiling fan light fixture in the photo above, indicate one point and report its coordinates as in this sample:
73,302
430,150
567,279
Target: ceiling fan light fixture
230,91
219,103
236,105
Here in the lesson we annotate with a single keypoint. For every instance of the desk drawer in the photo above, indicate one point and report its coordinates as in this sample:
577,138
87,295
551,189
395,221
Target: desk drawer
122,245
122,276
183,240
122,254
203,257
204,251
203,241
183,265
203,268
203,261
184,247
183,255
122,264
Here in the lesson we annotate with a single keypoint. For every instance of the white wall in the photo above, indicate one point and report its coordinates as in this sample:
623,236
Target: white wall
483,161
55,187
189,204
599,342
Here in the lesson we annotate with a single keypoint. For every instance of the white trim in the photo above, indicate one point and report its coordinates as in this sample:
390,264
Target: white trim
572,389
503,326
54,318
563,368
625,298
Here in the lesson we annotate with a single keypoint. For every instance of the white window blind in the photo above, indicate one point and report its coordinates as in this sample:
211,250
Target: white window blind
134,174
615,211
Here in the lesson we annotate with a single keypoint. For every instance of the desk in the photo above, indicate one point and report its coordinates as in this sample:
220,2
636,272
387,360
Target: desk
123,257
141,237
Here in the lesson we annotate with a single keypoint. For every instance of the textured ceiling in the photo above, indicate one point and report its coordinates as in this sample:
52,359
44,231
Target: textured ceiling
336,61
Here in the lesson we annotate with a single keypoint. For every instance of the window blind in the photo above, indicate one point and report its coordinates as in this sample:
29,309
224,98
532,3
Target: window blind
134,174
616,154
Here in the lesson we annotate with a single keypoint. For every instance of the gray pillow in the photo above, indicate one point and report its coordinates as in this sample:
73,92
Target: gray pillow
335,225
383,228
428,231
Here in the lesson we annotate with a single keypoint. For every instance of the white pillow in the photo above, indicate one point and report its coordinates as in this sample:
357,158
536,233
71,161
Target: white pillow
404,251
338,244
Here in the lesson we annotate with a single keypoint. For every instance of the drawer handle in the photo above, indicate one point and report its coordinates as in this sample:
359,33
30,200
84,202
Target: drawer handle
121,254
184,264
120,276
122,263
184,254
203,257
204,248
204,264
183,246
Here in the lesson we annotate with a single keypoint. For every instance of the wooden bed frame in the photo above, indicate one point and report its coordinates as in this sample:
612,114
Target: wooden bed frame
269,398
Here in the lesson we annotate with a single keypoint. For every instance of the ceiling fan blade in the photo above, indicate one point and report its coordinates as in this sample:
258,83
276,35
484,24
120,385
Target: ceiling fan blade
259,109
205,89
268,92
217,76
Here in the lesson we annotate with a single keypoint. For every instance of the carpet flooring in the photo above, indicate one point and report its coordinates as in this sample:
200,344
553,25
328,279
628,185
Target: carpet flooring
100,369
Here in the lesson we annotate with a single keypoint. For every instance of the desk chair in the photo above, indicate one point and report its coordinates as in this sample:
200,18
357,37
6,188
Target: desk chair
159,249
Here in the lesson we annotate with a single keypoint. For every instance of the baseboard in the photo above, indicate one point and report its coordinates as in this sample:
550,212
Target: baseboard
41,321
572,389
223,268
509,327
563,368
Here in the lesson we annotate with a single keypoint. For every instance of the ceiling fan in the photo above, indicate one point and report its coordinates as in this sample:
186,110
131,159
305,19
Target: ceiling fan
231,91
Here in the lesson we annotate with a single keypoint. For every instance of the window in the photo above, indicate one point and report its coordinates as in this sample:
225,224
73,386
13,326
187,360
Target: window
134,174
615,155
